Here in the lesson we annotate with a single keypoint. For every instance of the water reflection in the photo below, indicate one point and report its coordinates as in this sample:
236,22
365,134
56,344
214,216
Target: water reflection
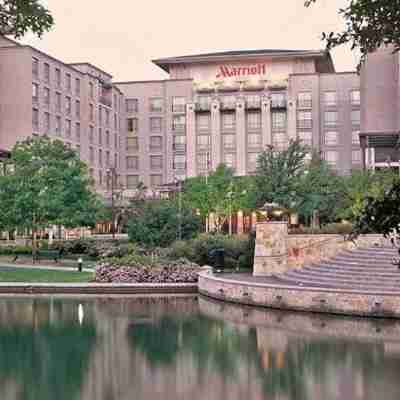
188,348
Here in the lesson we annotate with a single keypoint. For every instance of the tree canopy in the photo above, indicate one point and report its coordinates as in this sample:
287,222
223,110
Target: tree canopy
47,185
368,24
17,17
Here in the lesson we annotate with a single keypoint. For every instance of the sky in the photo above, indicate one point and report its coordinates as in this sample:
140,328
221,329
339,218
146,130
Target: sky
124,38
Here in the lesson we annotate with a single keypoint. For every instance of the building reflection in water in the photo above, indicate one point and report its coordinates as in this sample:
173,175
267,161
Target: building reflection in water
182,348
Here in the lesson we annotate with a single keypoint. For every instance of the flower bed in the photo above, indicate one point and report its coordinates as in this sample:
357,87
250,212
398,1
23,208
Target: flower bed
171,272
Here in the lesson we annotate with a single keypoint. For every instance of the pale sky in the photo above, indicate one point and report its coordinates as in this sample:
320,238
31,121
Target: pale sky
123,36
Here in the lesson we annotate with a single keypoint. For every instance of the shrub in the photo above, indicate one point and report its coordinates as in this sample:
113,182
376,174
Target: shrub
333,229
13,250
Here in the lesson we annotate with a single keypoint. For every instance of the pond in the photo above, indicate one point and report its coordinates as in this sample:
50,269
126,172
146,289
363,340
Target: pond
186,347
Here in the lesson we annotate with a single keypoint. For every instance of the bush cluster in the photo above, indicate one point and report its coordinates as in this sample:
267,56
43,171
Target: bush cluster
15,250
332,229
239,249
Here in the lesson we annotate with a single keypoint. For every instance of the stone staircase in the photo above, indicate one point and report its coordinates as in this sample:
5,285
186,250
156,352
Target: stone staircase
365,269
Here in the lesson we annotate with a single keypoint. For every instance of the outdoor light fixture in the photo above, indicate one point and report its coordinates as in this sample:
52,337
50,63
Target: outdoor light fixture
80,261
274,211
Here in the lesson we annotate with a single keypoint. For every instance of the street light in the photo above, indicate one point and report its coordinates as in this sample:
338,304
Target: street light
111,173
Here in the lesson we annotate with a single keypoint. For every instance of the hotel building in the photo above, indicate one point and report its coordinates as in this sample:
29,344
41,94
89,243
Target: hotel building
228,107
76,103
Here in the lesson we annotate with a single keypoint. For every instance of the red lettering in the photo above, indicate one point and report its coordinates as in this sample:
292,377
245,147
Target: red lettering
229,71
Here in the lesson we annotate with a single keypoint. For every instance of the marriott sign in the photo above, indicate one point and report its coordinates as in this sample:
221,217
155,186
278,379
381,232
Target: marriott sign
226,71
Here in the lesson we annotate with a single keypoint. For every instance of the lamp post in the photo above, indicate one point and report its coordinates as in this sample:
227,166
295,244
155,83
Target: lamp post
111,173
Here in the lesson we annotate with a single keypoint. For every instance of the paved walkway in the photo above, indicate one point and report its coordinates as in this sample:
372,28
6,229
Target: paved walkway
9,266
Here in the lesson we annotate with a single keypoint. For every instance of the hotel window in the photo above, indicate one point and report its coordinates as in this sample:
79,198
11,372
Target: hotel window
230,160
107,118
132,124
155,143
252,160
91,134
331,138
132,181
78,132
46,123
46,96
279,141
179,162
68,82
155,124
132,162
107,158
35,68
58,125
91,90
203,122
100,157
100,115
58,78
356,156
178,122
304,119
305,137
35,93
330,99
278,100
68,105
254,140
228,141
355,117
331,118
331,157
91,112
155,180
304,100
203,161
35,120
91,155
254,120
46,73
155,162
77,109
100,137
68,128
58,102
203,103
228,102
77,87
179,143
132,144
108,138
355,138
131,105
203,142
156,104
228,121
178,104
355,97
278,121
253,101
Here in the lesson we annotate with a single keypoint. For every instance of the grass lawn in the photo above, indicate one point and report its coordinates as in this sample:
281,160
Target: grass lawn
43,276
27,260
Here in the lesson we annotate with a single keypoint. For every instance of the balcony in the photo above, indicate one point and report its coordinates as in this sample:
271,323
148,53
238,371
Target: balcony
228,105
178,127
278,103
253,104
203,106
179,147
179,166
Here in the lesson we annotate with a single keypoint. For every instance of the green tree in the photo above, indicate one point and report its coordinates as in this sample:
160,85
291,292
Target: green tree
278,175
159,221
368,24
17,17
48,185
221,193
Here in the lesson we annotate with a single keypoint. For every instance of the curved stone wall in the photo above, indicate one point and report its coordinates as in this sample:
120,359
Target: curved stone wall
323,300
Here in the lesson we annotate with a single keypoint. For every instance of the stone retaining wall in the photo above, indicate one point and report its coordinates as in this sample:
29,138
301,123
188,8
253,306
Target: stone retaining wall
334,301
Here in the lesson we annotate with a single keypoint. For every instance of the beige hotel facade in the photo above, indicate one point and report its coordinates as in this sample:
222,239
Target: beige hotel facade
214,108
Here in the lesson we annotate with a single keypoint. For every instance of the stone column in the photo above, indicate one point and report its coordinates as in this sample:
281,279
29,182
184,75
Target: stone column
215,135
190,141
241,138
266,122
270,255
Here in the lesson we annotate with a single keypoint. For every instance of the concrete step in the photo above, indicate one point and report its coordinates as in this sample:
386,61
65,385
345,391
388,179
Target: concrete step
362,273
361,277
357,264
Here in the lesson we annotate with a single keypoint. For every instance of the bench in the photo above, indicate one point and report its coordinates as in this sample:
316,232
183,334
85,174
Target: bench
45,255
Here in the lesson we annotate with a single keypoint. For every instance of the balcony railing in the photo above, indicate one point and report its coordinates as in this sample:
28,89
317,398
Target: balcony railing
179,147
278,103
179,165
178,127
203,106
254,146
229,146
304,104
253,104
304,124
228,105
203,147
